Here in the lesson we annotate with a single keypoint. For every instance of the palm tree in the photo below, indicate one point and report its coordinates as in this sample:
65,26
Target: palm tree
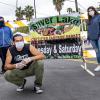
69,10
58,5
19,13
29,12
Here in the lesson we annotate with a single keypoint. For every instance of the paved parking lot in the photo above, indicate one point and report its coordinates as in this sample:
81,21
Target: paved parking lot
63,80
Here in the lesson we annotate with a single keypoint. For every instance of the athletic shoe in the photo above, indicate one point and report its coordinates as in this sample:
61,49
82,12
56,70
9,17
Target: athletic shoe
97,68
21,87
38,90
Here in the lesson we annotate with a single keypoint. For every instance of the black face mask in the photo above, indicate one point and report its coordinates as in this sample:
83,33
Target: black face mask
2,24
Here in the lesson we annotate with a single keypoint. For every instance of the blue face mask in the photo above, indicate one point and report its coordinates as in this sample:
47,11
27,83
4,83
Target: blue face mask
1,23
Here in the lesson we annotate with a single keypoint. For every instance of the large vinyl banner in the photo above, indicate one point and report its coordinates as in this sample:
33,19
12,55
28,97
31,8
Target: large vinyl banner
61,51
57,36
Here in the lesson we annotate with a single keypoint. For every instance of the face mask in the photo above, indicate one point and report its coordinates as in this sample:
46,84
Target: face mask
1,23
19,45
91,13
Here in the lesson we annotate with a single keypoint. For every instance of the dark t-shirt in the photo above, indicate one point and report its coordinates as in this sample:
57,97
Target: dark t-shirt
18,56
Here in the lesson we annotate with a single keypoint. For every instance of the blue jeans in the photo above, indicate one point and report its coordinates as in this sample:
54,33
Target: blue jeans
96,47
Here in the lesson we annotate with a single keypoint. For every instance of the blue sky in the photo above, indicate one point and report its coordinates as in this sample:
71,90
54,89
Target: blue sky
44,7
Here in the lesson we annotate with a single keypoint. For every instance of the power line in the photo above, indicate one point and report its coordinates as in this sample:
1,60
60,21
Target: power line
78,4
93,1
81,6
42,13
70,0
8,4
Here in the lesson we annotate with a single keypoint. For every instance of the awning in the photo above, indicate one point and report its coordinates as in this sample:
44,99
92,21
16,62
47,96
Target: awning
84,16
16,24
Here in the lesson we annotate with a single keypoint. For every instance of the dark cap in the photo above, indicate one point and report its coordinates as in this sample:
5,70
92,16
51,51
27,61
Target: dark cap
1,18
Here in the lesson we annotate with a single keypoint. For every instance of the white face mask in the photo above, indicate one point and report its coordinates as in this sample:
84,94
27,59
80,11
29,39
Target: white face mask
19,45
91,13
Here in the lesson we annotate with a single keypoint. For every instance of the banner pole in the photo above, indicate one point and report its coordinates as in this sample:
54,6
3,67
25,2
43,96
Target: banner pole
84,66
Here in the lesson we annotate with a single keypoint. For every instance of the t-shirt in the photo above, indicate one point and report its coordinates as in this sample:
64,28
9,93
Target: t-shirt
18,56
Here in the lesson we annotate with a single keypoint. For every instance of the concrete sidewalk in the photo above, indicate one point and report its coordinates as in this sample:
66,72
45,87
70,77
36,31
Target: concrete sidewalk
63,80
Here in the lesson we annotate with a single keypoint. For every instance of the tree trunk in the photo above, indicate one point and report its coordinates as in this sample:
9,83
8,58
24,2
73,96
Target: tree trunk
59,13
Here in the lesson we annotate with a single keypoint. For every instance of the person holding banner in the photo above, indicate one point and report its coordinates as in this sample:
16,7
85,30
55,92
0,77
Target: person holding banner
24,60
93,24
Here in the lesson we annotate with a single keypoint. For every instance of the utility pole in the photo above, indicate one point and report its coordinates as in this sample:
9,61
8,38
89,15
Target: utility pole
76,5
16,4
34,9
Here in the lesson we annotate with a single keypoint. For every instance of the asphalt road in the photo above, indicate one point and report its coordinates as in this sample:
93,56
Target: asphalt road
63,80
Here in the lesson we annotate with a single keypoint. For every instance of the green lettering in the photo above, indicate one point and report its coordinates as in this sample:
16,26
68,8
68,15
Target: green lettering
41,22
65,19
47,21
58,19
34,27
51,20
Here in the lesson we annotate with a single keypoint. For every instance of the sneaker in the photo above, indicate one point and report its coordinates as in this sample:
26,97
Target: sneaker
21,88
38,90
2,72
97,68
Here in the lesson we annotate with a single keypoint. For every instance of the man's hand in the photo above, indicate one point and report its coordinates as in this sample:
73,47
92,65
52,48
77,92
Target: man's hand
20,65
27,60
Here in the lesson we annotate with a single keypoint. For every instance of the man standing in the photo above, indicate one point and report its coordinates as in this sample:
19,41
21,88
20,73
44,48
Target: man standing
5,41
24,60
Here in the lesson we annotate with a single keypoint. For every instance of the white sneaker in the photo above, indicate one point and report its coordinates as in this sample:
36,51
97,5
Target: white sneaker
97,68
21,88
38,90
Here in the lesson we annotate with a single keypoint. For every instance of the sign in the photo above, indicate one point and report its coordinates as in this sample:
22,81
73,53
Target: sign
61,50
55,26
63,34
55,19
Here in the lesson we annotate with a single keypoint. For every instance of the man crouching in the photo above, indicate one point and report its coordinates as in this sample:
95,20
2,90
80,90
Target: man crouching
23,60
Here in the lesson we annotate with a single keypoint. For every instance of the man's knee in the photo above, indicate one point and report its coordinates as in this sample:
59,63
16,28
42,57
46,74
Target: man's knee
40,64
9,75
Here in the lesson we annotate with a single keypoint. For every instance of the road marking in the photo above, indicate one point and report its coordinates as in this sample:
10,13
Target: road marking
87,70
87,61
84,66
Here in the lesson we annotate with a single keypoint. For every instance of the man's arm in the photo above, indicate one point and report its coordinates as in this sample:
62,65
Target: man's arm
37,55
8,65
